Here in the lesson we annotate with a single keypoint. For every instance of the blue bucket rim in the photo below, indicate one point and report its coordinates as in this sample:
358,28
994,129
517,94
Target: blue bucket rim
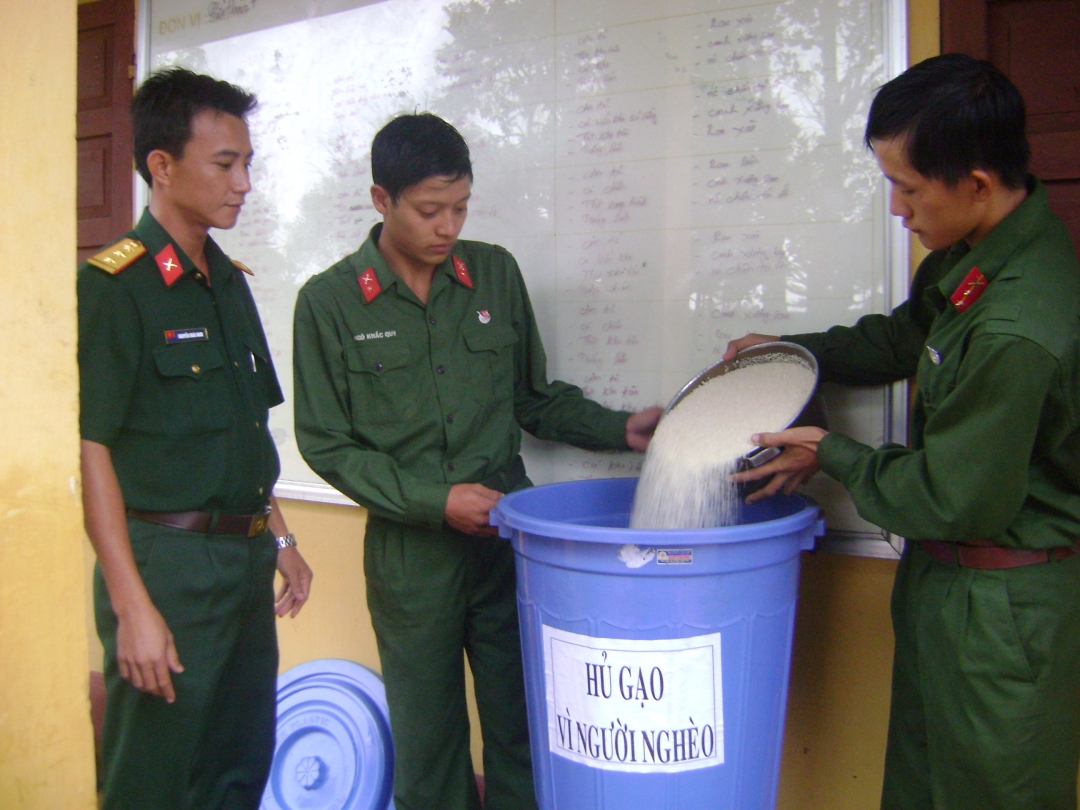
506,518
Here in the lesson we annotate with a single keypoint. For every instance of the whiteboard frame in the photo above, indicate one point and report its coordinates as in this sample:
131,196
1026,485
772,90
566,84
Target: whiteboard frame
897,271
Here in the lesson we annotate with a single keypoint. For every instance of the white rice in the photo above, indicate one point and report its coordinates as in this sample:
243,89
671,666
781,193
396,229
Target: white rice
685,477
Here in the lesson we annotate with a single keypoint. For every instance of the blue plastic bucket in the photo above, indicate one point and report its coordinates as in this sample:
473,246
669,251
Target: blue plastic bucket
656,662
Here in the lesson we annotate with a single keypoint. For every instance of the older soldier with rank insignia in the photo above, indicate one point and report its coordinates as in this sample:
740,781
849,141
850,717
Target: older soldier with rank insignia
178,469
417,363
986,603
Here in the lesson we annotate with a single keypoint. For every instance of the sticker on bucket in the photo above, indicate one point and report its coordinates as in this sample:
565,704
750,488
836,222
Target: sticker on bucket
633,705
675,556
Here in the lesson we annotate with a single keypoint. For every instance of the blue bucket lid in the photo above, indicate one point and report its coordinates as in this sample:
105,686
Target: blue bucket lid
333,749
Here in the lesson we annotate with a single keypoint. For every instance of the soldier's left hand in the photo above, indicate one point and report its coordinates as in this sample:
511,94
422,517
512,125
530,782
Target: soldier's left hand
641,426
793,467
295,582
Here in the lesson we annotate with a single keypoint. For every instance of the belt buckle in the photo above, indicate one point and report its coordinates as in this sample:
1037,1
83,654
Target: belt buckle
259,522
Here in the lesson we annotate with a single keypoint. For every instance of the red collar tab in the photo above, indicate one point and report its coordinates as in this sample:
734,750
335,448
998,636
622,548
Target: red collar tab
969,290
462,272
169,265
369,285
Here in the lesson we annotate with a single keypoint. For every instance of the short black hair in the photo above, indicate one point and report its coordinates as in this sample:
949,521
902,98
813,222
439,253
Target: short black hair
412,148
957,114
164,105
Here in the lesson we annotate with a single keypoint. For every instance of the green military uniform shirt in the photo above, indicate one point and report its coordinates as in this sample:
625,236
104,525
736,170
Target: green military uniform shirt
995,449
176,379
397,401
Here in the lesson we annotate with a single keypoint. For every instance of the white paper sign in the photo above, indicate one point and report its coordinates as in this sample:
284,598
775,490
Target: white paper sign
644,706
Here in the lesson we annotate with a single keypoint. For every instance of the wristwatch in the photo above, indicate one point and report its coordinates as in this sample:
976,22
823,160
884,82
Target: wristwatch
287,541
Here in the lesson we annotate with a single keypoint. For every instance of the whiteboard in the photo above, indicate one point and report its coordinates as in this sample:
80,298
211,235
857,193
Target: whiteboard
667,180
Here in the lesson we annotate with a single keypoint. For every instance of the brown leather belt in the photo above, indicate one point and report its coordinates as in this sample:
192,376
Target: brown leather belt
988,557
251,525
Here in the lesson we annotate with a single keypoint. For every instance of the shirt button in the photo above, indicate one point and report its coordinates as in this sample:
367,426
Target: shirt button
256,425
431,319
196,368
378,366
236,364
440,370
198,275
450,418
260,490
450,466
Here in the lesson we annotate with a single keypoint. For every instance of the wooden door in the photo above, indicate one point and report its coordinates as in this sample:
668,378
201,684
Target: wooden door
1036,43
103,125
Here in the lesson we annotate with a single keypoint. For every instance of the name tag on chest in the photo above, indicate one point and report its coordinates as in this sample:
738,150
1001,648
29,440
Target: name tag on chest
190,335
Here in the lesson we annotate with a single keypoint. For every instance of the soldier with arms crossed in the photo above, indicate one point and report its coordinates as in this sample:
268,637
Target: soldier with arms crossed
985,698
178,470
417,363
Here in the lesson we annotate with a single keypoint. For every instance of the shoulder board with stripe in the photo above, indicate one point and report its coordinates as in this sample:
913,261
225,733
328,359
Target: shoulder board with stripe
116,257
242,266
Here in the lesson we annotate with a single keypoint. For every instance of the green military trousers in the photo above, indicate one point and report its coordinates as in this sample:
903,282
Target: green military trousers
211,749
433,594
986,687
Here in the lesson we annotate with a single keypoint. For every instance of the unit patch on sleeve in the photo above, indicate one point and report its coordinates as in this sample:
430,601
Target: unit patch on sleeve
116,257
969,290
190,335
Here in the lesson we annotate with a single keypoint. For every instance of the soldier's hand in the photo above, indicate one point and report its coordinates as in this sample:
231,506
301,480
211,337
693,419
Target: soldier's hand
295,582
146,652
467,508
736,346
792,468
640,428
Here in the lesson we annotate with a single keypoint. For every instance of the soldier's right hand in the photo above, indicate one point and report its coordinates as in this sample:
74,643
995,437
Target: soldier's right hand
746,342
467,508
146,652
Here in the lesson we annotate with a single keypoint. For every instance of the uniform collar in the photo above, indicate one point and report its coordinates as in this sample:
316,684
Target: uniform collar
156,239
992,254
368,258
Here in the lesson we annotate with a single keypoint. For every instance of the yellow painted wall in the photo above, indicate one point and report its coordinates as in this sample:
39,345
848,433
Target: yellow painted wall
46,749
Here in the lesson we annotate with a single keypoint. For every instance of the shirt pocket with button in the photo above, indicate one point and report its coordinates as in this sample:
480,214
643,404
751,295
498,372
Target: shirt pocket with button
192,395
382,387
491,360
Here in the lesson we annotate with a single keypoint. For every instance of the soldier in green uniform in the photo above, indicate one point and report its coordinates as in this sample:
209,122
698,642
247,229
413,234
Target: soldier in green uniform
986,680
178,468
417,363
